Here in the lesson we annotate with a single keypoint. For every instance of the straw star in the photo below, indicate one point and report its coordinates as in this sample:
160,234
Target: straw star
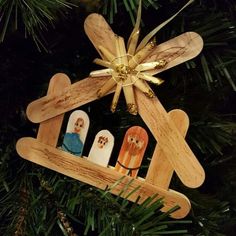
126,71
127,67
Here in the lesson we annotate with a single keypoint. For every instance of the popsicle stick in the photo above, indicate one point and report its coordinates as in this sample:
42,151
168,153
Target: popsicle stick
49,130
76,133
132,151
152,112
82,92
175,51
99,33
101,149
78,94
170,141
98,176
160,170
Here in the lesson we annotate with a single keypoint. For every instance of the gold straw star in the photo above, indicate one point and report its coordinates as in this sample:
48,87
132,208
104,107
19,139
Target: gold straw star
126,66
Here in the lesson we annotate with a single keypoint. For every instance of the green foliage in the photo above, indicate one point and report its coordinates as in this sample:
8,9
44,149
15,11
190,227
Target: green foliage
110,7
217,127
34,15
87,209
218,31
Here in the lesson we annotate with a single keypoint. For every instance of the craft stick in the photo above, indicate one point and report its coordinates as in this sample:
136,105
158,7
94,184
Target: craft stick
184,47
101,149
49,130
132,151
170,141
78,94
98,176
76,133
175,51
160,170
150,78
99,32
177,151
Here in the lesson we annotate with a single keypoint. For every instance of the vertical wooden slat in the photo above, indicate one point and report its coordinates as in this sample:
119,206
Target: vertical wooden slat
160,170
179,154
49,130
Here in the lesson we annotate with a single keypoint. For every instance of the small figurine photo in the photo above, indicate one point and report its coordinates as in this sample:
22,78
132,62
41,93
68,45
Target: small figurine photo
76,133
102,147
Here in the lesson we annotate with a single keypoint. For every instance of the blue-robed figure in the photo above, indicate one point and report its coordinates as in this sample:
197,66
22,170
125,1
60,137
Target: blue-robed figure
72,142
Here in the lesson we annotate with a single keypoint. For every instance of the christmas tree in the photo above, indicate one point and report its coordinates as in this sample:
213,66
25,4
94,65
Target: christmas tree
42,38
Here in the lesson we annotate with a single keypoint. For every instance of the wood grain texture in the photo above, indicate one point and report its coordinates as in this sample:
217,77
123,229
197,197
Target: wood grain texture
85,91
101,149
170,140
78,168
100,33
176,51
49,130
132,151
160,170
76,95
183,160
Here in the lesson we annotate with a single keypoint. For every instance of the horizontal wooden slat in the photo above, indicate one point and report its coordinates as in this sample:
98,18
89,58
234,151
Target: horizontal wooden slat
175,51
98,176
76,95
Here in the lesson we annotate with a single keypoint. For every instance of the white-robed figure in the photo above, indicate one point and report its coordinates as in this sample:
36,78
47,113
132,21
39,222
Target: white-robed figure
101,149
76,133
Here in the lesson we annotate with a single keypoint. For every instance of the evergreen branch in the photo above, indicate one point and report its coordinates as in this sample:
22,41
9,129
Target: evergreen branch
218,29
111,7
212,135
34,15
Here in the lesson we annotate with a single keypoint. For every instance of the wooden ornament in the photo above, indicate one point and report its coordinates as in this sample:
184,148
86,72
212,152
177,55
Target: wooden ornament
161,127
132,151
128,73
176,50
49,130
101,149
175,148
160,171
124,68
101,177
76,132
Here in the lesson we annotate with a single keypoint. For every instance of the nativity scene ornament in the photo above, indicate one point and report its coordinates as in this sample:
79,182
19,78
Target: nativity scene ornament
128,70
